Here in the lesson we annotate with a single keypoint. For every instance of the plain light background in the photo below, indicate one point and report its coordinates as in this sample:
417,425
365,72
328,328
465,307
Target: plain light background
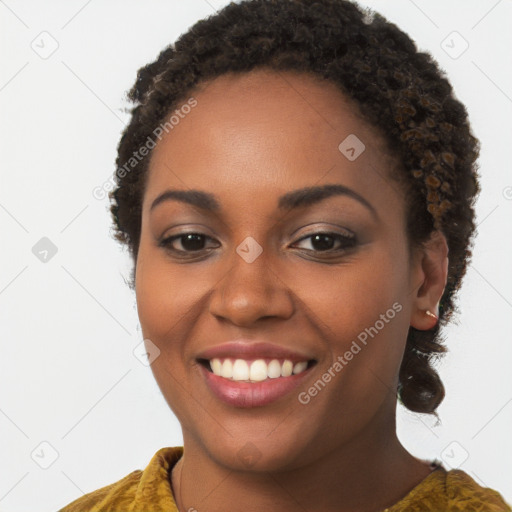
73,396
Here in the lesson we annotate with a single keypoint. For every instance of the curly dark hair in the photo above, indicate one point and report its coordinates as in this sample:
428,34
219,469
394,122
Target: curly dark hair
396,88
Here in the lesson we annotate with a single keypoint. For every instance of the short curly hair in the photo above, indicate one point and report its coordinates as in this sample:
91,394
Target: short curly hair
399,90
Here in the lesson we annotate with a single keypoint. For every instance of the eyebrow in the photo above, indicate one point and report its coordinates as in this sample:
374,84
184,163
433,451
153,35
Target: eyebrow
291,200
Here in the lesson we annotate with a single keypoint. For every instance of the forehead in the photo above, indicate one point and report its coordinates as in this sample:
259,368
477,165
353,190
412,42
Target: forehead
260,134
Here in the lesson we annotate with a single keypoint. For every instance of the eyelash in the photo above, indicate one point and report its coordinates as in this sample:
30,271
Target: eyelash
347,241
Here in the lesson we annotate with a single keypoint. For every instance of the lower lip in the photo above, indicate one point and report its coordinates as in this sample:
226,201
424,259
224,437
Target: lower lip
257,394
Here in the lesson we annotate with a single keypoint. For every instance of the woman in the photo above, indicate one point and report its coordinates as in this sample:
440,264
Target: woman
296,189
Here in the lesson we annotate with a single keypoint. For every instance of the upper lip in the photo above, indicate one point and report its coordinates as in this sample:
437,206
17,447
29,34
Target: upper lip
245,349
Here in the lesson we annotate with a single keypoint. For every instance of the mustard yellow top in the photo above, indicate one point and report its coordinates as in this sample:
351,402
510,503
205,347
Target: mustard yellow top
150,491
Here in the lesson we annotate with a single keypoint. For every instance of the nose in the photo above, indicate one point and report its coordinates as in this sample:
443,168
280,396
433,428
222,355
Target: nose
251,291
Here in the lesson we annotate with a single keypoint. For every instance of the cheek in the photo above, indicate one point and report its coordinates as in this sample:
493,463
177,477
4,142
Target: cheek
168,305
168,299
348,298
361,310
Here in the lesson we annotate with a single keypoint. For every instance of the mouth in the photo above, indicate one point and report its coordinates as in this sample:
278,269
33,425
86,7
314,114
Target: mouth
246,383
245,373
255,370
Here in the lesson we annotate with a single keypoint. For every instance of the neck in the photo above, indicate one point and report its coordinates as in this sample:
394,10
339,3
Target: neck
370,473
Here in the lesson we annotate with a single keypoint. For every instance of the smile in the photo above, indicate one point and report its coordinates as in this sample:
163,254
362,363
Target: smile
249,384
258,370
249,373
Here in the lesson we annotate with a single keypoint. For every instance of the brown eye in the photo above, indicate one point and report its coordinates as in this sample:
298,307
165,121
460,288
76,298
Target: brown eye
323,242
190,242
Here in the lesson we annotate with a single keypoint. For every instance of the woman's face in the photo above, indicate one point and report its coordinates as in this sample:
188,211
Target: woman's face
258,275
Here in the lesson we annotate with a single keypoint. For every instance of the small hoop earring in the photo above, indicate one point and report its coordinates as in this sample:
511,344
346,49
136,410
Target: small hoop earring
429,313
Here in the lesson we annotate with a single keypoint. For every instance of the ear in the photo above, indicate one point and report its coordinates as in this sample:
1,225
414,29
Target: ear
429,277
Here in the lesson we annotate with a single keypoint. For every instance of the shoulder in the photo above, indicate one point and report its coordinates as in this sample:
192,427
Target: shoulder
450,491
139,488
121,493
462,491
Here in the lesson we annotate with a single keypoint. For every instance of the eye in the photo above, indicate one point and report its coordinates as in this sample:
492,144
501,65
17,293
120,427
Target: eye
324,241
321,241
190,242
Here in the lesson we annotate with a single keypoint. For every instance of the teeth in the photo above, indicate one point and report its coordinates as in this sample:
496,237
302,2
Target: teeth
240,370
227,369
300,367
216,366
274,369
287,368
258,370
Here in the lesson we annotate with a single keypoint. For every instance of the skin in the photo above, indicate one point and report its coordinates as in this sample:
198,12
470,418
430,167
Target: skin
250,139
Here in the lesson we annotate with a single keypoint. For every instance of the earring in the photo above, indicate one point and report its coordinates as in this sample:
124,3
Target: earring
429,313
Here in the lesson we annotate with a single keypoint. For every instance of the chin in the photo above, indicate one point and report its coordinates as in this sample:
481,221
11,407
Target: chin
274,452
